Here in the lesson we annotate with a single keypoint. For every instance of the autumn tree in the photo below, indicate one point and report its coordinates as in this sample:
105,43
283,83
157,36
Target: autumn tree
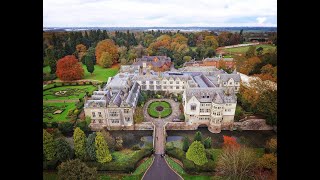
186,144
251,51
198,136
230,142
196,153
105,60
88,61
267,106
76,170
210,41
138,115
249,64
236,163
90,146
122,52
48,146
102,151
118,145
69,69
63,149
268,161
271,145
179,38
207,143
80,50
106,46
79,139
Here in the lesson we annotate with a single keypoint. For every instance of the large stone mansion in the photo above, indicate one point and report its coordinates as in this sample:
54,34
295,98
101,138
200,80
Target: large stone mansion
209,95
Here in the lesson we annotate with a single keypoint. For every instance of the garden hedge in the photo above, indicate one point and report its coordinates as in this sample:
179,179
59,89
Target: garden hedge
122,167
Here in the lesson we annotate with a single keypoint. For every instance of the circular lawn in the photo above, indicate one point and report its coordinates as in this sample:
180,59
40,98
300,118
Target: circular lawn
160,109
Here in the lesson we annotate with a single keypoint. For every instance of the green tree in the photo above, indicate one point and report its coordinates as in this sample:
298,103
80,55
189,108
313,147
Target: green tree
196,153
186,144
76,170
106,60
210,52
251,51
102,151
210,41
198,136
88,60
91,52
90,146
207,143
267,105
79,139
52,61
187,58
64,151
48,146
259,51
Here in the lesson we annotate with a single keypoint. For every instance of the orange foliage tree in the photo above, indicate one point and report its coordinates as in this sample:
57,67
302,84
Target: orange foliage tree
230,142
249,64
81,50
108,46
68,68
163,41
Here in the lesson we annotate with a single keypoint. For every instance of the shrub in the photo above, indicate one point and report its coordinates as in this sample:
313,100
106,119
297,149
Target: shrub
54,125
198,136
75,169
50,165
135,147
49,77
65,127
44,125
70,112
83,126
186,144
196,153
207,142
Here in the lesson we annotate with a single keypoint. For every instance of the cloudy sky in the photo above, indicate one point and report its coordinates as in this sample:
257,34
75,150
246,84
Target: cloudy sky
130,13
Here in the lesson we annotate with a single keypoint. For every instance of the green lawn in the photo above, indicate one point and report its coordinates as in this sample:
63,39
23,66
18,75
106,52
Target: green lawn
123,156
175,166
244,49
144,166
72,92
99,73
164,113
49,108
177,144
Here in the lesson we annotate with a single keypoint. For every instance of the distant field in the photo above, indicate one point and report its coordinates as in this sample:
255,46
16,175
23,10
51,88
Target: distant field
99,73
244,49
50,108
67,92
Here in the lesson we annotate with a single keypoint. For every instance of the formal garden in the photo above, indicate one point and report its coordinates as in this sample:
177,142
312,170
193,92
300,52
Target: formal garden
199,156
159,109
64,156
68,92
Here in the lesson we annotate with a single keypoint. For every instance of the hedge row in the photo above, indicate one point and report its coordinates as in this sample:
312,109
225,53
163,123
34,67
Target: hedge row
68,84
122,167
188,165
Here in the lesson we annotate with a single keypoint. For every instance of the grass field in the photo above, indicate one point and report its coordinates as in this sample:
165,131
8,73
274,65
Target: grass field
243,50
99,73
144,166
49,108
164,113
68,92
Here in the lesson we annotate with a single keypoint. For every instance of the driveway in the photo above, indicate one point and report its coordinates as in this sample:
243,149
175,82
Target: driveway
159,170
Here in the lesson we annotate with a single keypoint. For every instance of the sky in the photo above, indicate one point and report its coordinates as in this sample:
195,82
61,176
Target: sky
156,13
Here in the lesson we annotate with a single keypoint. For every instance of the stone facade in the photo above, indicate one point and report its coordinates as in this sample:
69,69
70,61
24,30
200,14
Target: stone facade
208,96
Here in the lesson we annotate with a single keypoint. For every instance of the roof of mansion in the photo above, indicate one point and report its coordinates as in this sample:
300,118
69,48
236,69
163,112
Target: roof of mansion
213,94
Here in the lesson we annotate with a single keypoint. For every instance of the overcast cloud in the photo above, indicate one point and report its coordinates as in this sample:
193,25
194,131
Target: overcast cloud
130,13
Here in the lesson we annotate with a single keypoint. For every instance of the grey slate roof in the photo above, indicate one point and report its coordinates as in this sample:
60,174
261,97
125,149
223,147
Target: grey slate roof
226,77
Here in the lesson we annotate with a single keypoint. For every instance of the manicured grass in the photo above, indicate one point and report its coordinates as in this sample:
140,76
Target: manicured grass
144,166
164,113
123,156
49,108
50,176
175,166
72,92
119,177
244,49
99,73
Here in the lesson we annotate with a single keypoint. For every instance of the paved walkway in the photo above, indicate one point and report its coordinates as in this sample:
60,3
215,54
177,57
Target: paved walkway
160,136
160,170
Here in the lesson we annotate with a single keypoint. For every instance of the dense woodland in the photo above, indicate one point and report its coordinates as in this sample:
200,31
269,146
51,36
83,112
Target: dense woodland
124,47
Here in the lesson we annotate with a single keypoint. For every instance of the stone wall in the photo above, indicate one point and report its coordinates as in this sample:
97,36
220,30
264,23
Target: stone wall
252,124
144,126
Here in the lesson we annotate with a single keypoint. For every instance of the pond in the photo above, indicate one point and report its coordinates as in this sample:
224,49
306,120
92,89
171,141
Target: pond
131,138
255,139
